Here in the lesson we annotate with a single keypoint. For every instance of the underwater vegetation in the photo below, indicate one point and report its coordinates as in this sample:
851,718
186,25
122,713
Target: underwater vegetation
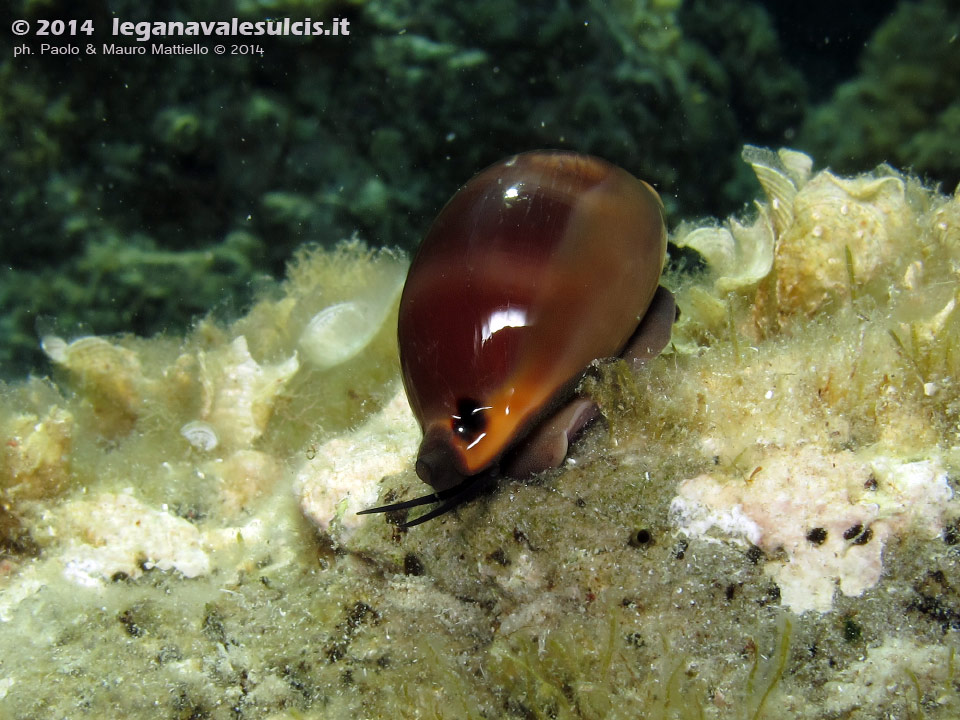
765,526
903,107
140,194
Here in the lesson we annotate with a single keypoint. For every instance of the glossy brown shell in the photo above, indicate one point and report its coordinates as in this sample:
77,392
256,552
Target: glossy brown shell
539,265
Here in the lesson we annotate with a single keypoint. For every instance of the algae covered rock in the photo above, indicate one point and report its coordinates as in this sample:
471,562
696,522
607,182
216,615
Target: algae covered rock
36,454
765,525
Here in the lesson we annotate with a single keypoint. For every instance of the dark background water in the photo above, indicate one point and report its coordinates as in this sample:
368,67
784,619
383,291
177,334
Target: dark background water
140,191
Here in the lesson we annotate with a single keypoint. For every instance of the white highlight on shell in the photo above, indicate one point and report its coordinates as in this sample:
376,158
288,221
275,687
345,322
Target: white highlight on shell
201,435
508,317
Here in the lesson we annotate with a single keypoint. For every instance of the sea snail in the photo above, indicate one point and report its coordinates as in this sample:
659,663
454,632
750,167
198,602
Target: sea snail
539,265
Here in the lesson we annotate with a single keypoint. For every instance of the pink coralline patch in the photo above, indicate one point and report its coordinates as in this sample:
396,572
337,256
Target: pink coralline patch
828,514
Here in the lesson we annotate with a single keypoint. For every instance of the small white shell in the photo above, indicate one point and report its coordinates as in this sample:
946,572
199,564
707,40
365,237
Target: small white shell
797,165
239,393
342,330
201,435
739,255
94,359
338,332
778,185
55,347
107,374
868,219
